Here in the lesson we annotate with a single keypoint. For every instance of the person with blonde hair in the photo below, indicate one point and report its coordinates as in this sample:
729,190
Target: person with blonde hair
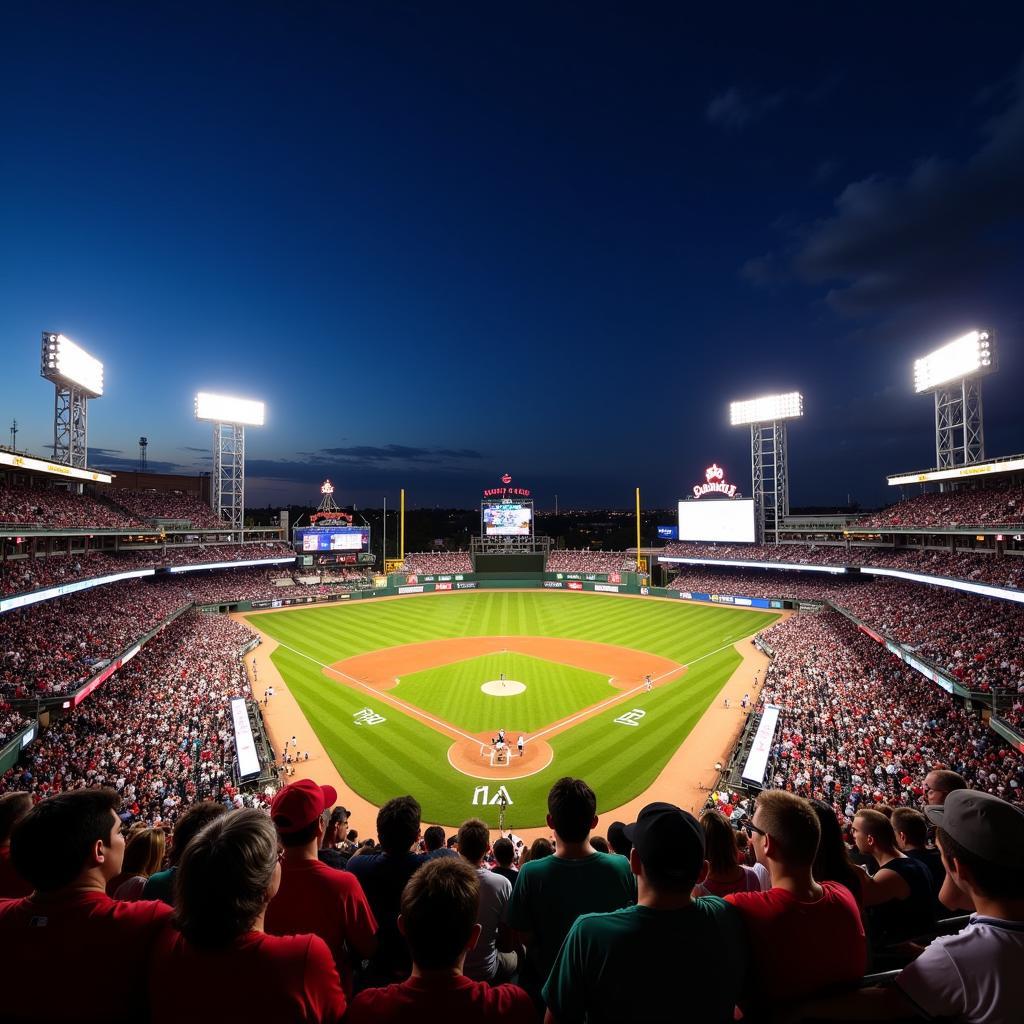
227,876
143,856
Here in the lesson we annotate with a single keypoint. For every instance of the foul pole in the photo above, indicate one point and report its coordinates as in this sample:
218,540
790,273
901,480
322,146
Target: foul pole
638,529
401,528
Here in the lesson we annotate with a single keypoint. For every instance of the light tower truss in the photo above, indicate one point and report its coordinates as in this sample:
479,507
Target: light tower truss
70,426
959,424
228,492
770,476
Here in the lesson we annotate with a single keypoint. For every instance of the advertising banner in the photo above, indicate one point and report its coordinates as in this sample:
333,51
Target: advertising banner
757,758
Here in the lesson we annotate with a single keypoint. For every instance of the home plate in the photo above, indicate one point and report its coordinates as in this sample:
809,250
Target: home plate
503,687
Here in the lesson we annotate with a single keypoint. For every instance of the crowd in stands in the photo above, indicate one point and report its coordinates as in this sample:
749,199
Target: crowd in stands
668,919
148,505
433,562
969,506
11,722
590,561
980,567
24,574
58,509
859,728
158,731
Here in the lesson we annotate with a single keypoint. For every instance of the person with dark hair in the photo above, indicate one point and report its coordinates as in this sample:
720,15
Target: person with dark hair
911,828
938,784
439,921
899,894
160,886
805,936
540,848
335,849
13,807
383,876
975,975
725,874
314,898
226,877
504,854
617,839
832,863
452,843
68,847
660,944
553,891
434,843
600,844
493,957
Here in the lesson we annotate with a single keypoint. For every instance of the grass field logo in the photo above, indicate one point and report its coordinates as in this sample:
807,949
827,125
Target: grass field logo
367,716
482,795
630,717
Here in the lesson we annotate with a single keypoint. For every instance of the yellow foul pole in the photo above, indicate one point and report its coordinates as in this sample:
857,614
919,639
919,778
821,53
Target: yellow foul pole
638,529
401,542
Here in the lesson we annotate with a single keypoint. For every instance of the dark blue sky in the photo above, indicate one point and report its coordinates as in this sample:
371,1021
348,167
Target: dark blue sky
446,241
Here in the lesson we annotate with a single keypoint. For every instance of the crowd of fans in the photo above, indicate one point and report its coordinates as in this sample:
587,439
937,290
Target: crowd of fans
11,722
158,731
24,574
58,509
432,562
859,728
667,918
148,505
590,561
968,506
980,567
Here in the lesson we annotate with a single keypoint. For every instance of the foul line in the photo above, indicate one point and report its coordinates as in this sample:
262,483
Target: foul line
595,708
412,711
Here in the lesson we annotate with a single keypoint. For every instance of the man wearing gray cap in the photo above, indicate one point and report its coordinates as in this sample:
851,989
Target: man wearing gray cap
977,975
635,963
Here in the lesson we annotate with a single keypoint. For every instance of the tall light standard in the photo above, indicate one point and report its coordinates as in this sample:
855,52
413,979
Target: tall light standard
953,374
769,467
229,417
76,377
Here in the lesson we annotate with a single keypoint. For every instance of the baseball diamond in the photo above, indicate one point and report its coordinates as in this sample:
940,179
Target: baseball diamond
583,660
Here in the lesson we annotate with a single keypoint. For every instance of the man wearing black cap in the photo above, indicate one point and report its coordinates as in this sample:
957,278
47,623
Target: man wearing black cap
976,975
314,898
634,963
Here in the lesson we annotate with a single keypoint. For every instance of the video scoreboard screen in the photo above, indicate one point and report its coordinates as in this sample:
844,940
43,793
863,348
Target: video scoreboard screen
327,540
722,521
508,520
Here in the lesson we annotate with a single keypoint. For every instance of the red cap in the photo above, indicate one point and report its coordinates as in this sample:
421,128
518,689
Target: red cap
300,804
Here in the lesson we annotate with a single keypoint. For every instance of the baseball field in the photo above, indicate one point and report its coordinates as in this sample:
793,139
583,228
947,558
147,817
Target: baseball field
410,695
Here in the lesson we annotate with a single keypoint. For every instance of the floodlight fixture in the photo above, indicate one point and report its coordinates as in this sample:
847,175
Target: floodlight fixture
65,363
226,409
969,356
767,409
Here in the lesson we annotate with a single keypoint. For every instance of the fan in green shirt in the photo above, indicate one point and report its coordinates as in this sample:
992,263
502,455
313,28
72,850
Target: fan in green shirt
636,963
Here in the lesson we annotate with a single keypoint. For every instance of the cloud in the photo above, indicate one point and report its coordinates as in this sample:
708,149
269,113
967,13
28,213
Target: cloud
938,230
733,111
392,453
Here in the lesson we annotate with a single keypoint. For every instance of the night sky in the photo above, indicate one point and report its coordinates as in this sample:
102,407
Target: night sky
443,242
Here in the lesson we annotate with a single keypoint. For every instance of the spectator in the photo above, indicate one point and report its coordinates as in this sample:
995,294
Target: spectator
493,958
227,876
911,828
553,891
434,842
68,848
899,894
504,855
143,855
725,874
160,885
314,898
438,919
938,784
805,937
13,807
541,848
335,849
600,844
383,876
633,963
832,862
617,839
975,975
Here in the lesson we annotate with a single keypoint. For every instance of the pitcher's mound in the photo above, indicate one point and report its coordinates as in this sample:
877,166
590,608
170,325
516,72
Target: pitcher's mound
503,688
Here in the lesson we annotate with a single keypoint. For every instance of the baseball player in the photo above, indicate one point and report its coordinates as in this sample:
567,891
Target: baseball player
520,744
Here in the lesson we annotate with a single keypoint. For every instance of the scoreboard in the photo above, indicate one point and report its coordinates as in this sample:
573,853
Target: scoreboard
334,543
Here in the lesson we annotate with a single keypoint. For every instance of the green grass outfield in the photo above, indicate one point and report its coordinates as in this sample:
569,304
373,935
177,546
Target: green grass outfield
403,755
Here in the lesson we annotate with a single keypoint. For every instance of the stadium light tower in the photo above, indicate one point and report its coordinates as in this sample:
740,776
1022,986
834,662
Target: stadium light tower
953,374
769,468
76,377
230,417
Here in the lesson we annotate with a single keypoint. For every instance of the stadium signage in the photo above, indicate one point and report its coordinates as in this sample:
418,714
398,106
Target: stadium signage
715,483
41,466
411,590
574,585
465,586
606,588
553,584
506,492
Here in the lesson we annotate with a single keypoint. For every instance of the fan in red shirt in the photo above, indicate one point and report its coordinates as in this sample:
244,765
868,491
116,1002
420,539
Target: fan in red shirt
313,897
68,847
13,807
805,937
439,921
220,963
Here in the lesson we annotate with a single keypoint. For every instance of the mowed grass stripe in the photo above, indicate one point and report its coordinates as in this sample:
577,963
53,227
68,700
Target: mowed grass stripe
403,755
